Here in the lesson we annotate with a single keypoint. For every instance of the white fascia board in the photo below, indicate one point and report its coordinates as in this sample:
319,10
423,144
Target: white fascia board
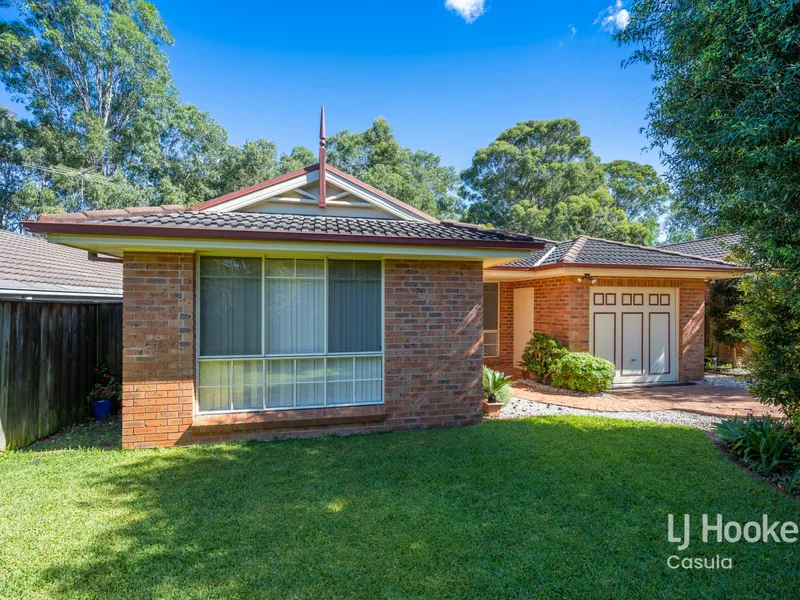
518,275
261,195
116,246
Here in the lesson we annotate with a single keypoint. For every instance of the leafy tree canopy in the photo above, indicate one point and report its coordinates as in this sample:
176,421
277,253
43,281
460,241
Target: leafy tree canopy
724,299
725,116
107,127
593,214
416,177
542,178
637,189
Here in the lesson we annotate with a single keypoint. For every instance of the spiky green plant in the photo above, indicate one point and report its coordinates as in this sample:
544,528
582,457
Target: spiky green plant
496,386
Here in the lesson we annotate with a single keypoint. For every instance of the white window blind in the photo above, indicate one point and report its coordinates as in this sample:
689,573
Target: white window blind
320,343
491,318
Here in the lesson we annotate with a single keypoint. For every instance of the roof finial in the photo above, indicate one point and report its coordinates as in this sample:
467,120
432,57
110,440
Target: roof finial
322,157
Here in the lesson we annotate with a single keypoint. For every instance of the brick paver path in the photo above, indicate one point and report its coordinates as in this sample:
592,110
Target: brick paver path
702,399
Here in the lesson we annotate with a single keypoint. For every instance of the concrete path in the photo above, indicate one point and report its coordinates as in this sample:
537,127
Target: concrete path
701,399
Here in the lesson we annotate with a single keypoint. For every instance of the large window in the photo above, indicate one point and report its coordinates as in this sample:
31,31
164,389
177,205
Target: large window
289,333
491,318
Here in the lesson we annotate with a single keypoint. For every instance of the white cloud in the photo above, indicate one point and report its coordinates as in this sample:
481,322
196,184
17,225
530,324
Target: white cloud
614,18
468,9
572,31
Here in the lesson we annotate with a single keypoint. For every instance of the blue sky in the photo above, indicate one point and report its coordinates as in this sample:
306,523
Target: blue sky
448,79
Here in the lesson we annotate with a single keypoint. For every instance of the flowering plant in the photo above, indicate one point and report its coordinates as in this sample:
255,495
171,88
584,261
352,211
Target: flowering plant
108,386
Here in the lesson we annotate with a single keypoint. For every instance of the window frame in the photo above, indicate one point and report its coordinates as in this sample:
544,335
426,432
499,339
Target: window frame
265,358
494,331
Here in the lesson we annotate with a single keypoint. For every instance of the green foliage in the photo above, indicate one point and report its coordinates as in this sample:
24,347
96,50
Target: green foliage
416,177
107,387
725,113
583,372
298,158
592,214
107,127
637,189
540,355
496,386
15,199
90,74
542,178
793,483
723,307
544,162
763,444
678,235
771,319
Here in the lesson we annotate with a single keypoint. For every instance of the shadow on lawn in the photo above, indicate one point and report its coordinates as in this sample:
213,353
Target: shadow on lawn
103,435
543,507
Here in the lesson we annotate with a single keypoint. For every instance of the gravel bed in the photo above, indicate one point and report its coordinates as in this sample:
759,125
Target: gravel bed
722,381
517,407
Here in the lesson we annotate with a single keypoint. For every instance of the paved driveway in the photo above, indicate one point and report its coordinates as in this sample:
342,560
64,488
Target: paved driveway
702,399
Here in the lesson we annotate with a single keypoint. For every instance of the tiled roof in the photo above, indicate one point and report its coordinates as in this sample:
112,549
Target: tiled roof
34,264
712,247
594,251
303,224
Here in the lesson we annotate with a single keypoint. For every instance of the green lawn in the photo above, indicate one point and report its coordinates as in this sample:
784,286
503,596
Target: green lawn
551,507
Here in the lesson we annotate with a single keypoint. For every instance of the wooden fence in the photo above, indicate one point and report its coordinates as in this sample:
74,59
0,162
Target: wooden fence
48,351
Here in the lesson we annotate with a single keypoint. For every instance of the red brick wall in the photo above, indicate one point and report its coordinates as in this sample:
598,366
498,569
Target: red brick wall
158,348
434,348
433,357
561,310
692,330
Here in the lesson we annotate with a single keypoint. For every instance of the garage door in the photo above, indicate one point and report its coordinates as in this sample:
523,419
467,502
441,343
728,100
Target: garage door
635,329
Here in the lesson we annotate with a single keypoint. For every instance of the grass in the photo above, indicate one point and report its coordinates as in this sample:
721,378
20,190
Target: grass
548,507
90,434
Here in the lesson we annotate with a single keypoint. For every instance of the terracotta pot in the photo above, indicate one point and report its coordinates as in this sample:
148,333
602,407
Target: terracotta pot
492,408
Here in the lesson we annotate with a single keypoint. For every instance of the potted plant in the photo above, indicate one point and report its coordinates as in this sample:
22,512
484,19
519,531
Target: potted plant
105,393
496,391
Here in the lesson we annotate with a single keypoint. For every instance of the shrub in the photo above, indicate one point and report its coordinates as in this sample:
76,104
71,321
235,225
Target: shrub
771,311
763,444
724,298
540,356
496,386
584,373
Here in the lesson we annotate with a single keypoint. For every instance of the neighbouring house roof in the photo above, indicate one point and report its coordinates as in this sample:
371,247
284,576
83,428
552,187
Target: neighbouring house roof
34,267
587,251
718,247
177,222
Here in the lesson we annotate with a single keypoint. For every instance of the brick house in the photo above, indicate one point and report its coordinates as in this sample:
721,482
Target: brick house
315,304
641,308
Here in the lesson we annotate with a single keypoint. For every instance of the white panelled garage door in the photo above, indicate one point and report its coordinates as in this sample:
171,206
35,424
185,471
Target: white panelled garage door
635,328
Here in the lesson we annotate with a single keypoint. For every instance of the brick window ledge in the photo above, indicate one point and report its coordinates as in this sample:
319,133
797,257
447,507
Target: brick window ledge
307,417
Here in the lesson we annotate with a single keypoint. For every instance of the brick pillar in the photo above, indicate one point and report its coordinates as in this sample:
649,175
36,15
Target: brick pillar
692,329
578,293
434,347
158,362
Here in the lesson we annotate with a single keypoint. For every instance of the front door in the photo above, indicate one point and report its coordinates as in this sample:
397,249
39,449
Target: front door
523,321
635,329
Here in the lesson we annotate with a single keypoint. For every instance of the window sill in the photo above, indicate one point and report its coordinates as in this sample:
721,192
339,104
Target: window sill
306,417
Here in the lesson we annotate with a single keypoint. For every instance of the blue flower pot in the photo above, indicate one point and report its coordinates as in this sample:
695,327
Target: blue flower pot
101,409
